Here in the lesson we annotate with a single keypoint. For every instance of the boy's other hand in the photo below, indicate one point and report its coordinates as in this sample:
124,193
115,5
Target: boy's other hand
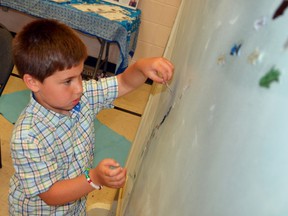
109,173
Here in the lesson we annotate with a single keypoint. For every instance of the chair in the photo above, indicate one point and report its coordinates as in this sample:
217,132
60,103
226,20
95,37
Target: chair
6,62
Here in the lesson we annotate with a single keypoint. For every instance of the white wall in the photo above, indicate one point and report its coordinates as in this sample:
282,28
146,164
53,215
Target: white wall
222,149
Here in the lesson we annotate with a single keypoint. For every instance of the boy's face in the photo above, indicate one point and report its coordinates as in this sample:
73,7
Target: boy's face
61,91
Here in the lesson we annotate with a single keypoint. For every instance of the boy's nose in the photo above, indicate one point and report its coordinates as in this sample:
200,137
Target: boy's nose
79,88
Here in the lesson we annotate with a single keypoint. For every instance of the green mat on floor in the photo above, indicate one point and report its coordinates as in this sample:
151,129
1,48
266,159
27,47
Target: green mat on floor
109,144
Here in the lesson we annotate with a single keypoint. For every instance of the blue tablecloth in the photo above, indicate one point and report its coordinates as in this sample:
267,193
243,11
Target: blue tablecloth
123,32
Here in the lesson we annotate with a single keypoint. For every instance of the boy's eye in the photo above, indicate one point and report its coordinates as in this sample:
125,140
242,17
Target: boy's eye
67,82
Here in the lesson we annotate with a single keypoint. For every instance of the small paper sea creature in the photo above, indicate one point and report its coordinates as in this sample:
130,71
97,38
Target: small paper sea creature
221,60
254,57
281,9
235,50
271,76
260,23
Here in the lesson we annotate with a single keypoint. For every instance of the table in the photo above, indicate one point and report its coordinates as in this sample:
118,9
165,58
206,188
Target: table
90,17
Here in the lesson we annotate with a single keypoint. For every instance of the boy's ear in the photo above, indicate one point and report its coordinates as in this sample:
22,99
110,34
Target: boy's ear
31,82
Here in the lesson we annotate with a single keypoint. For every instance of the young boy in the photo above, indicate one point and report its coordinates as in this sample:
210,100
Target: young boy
53,139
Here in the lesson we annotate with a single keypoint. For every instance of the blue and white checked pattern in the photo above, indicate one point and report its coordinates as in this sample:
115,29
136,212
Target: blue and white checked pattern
47,147
124,33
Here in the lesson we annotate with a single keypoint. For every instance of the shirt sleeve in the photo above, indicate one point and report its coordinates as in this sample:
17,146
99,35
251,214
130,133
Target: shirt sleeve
101,93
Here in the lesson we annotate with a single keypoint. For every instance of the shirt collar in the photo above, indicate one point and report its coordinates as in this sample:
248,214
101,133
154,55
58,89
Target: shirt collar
50,115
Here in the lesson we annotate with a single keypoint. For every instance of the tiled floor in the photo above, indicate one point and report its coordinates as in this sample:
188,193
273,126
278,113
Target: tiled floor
123,123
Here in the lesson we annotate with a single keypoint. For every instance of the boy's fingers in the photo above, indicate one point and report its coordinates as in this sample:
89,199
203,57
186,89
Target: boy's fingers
117,172
110,162
119,179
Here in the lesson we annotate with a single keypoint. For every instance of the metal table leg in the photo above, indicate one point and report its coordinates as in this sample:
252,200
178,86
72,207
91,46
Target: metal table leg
106,57
99,59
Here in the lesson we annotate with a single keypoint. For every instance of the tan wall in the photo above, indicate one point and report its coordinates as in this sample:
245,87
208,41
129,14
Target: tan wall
157,20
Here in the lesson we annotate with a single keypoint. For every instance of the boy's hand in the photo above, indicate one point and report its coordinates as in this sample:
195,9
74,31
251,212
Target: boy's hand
157,69
109,173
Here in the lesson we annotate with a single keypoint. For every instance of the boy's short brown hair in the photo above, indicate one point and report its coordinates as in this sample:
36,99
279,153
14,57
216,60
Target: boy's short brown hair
46,46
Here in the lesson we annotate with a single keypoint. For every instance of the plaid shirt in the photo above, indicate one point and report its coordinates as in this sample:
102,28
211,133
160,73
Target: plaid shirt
47,147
